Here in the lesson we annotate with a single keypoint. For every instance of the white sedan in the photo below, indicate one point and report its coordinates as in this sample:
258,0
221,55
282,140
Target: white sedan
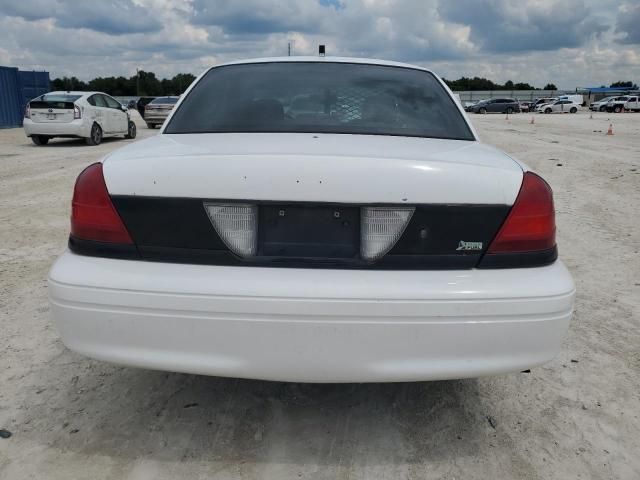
89,115
316,220
559,106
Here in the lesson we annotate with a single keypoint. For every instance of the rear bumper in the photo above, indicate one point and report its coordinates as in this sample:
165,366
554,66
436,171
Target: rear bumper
311,325
153,117
75,128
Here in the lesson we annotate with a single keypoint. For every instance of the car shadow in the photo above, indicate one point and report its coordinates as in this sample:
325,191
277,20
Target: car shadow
74,142
132,414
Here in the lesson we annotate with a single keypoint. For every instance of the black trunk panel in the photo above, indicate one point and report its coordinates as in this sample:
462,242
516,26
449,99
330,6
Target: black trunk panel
180,223
439,229
310,235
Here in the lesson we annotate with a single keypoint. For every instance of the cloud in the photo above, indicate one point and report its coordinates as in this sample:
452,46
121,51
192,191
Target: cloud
516,26
628,23
567,42
256,17
112,17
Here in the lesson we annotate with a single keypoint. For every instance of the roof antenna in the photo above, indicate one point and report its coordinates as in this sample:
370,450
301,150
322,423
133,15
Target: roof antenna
321,50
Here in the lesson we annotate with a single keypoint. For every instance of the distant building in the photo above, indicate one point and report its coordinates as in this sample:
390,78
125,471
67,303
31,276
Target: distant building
16,89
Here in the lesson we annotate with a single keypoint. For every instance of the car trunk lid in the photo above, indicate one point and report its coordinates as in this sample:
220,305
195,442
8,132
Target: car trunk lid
51,111
347,201
315,168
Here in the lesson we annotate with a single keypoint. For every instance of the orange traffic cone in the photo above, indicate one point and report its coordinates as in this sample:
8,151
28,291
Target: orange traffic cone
532,121
610,131
591,116
506,117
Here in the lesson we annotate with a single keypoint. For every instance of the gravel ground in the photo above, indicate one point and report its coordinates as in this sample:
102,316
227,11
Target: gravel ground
576,417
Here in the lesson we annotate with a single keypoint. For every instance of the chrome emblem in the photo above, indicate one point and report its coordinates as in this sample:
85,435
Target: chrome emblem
469,245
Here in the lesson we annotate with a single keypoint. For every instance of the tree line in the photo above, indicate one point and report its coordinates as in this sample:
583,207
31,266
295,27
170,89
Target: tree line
628,84
479,83
142,84
146,83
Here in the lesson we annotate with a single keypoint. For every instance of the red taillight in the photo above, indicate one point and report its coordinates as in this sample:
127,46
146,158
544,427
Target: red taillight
77,113
27,111
93,216
530,225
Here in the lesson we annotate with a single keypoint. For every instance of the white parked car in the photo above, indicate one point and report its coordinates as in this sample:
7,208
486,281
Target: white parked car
368,238
629,103
538,102
601,105
577,99
559,106
89,115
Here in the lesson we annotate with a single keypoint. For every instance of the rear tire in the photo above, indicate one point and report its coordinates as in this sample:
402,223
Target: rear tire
617,109
96,135
39,139
509,111
573,110
132,131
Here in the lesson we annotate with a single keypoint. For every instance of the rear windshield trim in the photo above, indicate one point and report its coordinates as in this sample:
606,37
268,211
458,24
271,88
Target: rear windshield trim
460,113
322,132
35,104
55,101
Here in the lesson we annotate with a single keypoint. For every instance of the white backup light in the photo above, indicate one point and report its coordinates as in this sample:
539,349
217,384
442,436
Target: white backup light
237,225
380,229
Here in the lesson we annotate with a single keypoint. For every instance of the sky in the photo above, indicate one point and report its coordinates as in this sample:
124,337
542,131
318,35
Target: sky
568,42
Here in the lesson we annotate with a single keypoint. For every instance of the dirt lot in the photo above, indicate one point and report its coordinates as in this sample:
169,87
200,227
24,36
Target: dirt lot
576,417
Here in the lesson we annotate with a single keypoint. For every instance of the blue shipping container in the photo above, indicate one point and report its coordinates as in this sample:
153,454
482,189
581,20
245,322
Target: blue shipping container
33,84
16,89
10,98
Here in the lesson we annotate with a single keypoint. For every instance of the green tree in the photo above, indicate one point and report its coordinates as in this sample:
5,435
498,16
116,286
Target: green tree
475,83
627,84
68,83
181,82
149,84
550,86
478,83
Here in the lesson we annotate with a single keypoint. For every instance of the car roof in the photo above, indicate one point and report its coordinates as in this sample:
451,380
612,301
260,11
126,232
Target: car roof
72,92
327,59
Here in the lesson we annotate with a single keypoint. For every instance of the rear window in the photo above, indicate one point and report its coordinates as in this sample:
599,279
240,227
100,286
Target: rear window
165,100
319,97
60,101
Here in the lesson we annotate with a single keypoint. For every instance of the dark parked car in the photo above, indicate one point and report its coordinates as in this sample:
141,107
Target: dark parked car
496,105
